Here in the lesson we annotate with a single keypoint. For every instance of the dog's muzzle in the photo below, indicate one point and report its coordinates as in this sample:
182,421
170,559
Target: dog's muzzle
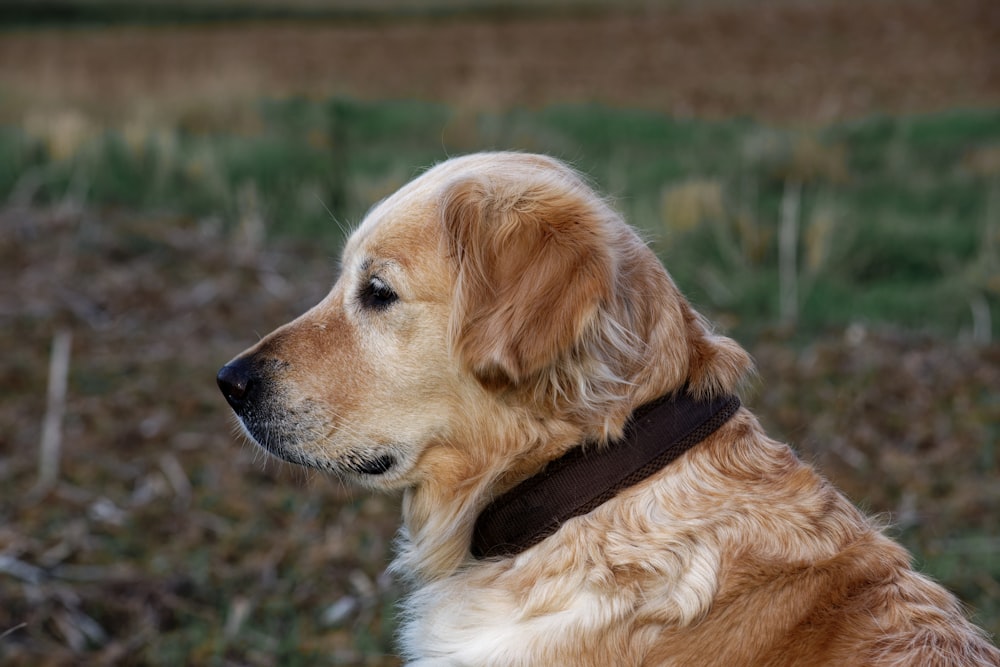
249,388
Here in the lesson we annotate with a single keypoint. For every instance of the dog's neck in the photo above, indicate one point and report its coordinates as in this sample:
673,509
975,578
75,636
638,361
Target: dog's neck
589,475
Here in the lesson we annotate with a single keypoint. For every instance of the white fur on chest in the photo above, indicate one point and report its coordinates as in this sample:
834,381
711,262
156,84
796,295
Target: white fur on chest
453,625
544,608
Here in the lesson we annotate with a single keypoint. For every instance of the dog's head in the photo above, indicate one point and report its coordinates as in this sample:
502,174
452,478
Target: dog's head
493,304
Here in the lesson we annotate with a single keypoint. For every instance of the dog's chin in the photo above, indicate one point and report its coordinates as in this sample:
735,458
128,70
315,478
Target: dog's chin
374,465
378,471
367,467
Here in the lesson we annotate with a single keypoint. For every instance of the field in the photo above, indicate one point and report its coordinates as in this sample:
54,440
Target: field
793,61
173,190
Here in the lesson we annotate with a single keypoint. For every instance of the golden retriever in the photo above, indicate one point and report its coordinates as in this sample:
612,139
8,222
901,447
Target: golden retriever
494,315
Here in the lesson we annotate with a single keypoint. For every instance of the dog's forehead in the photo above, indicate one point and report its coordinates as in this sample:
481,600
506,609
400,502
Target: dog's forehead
398,226
406,225
404,230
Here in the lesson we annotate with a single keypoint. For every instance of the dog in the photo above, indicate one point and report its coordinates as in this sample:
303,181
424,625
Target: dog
580,485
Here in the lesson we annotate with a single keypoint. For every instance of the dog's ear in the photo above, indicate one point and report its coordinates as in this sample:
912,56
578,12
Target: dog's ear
533,268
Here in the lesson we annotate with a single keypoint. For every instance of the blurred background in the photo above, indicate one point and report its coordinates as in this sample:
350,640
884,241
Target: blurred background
821,177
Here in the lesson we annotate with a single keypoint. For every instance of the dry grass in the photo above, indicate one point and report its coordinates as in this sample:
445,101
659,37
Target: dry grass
167,541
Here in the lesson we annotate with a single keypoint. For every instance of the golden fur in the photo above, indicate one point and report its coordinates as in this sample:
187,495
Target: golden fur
491,315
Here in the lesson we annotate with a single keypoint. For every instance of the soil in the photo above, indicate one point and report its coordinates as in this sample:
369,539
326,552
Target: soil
783,61
163,536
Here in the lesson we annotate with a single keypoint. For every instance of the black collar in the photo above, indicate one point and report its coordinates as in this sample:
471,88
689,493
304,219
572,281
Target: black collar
585,477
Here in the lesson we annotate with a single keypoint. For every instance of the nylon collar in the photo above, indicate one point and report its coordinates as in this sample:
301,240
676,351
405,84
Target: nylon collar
588,476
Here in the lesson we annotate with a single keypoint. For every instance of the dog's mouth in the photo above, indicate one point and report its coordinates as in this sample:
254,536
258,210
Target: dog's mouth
271,441
375,465
367,464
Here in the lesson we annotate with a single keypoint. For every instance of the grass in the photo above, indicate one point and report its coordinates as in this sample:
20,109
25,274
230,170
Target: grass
888,204
164,542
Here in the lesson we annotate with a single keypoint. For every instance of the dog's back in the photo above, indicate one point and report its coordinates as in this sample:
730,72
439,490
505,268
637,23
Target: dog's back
811,581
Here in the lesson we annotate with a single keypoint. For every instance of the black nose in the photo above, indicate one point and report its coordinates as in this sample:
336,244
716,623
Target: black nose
237,380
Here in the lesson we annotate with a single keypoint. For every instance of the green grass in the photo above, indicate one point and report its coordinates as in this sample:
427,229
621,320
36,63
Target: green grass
892,225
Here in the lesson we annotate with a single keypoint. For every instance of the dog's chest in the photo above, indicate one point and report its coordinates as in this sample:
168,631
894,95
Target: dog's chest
498,614
459,625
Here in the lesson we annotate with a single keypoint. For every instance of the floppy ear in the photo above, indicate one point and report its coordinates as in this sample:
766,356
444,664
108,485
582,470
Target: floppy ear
533,268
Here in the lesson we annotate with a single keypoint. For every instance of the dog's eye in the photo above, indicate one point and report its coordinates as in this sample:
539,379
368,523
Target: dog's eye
377,295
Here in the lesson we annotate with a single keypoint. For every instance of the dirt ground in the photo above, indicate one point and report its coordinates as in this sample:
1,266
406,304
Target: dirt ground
166,541
790,60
